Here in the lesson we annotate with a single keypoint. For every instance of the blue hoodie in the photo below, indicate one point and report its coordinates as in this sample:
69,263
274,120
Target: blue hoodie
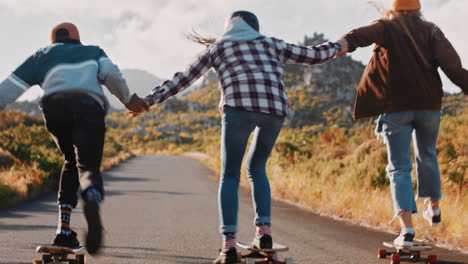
67,68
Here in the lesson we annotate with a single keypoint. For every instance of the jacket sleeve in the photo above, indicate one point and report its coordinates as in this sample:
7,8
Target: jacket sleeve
291,53
110,75
181,80
449,61
365,36
17,83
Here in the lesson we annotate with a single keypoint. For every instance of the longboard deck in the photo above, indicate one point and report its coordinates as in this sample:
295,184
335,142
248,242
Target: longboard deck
415,247
58,250
276,247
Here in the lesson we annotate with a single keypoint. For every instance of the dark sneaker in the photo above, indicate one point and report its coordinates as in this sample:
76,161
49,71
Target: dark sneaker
404,240
68,241
263,242
431,217
227,257
94,232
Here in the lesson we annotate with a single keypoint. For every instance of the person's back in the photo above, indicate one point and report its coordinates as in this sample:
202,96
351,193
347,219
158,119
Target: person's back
402,86
240,64
74,108
403,73
72,67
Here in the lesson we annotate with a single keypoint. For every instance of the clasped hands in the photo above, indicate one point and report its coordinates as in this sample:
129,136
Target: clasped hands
137,105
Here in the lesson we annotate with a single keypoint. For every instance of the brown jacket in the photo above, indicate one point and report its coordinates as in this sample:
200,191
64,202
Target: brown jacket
398,76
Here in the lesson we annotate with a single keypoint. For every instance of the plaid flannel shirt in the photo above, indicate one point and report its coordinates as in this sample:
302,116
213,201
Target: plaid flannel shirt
250,72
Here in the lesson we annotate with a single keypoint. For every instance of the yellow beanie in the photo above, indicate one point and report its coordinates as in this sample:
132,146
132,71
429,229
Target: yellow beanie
406,5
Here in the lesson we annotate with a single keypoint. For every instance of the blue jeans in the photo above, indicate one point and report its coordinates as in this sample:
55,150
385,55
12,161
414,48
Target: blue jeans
398,128
237,125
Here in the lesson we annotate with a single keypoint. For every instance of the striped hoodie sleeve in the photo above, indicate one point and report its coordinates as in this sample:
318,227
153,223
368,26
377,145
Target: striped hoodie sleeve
111,76
17,83
181,80
291,53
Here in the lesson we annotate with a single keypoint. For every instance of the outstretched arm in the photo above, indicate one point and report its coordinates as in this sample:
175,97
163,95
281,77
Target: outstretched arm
110,75
365,36
449,61
291,53
17,83
181,80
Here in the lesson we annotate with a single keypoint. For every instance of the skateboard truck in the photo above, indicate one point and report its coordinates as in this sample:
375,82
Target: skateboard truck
264,256
413,252
54,254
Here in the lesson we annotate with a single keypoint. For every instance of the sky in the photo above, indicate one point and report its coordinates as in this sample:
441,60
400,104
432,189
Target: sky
150,34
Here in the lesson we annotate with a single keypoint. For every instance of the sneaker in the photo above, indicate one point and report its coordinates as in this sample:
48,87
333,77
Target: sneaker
433,219
68,241
94,233
263,242
227,257
404,240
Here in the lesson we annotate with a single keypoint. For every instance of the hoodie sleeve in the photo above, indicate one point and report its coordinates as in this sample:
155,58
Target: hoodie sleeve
17,83
449,60
111,76
181,80
366,36
291,53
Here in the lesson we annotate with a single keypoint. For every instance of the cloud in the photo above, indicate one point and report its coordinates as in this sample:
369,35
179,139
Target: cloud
149,34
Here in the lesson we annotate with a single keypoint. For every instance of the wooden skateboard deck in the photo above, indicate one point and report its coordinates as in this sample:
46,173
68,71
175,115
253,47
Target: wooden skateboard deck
276,247
56,254
264,256
413,252
58,250
416,247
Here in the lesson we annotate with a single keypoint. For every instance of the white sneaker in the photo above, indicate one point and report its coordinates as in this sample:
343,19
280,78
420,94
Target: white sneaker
431,217
404,240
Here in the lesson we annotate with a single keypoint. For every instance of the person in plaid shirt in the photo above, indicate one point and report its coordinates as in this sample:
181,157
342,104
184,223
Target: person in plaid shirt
250,68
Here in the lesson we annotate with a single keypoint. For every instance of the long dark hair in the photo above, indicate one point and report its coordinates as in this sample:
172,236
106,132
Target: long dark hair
249,17
197,38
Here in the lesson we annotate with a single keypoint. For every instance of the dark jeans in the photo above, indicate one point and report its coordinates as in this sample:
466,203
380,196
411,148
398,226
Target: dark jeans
76,122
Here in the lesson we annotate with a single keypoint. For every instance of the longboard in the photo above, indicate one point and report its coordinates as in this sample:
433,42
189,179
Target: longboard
414,252
56,254
264,256
276,247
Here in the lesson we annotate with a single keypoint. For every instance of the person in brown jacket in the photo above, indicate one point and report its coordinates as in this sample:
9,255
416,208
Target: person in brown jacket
402,86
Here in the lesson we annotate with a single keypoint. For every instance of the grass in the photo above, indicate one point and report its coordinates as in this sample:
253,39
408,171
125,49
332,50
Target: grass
30,163
341,172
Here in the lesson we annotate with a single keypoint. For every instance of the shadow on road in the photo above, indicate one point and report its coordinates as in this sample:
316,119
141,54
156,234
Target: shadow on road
154,254
44,203
110,177
26,227
114,192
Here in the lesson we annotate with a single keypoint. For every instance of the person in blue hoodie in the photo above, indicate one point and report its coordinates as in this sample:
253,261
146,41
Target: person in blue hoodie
74,108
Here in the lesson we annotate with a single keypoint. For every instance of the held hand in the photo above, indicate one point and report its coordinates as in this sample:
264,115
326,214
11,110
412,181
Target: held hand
137,105
344,47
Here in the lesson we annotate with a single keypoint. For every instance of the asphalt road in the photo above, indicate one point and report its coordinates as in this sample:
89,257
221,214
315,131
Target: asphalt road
163,209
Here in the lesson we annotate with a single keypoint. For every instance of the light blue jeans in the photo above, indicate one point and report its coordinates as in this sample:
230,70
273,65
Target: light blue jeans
237,125
398,128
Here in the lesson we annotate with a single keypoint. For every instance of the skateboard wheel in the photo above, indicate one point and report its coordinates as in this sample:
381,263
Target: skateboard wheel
249,261
415,256
381,253
80,258
47,258
288,261
275,256
395,259
432,259
38,261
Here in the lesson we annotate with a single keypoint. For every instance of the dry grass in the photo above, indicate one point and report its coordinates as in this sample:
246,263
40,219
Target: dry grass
342,174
